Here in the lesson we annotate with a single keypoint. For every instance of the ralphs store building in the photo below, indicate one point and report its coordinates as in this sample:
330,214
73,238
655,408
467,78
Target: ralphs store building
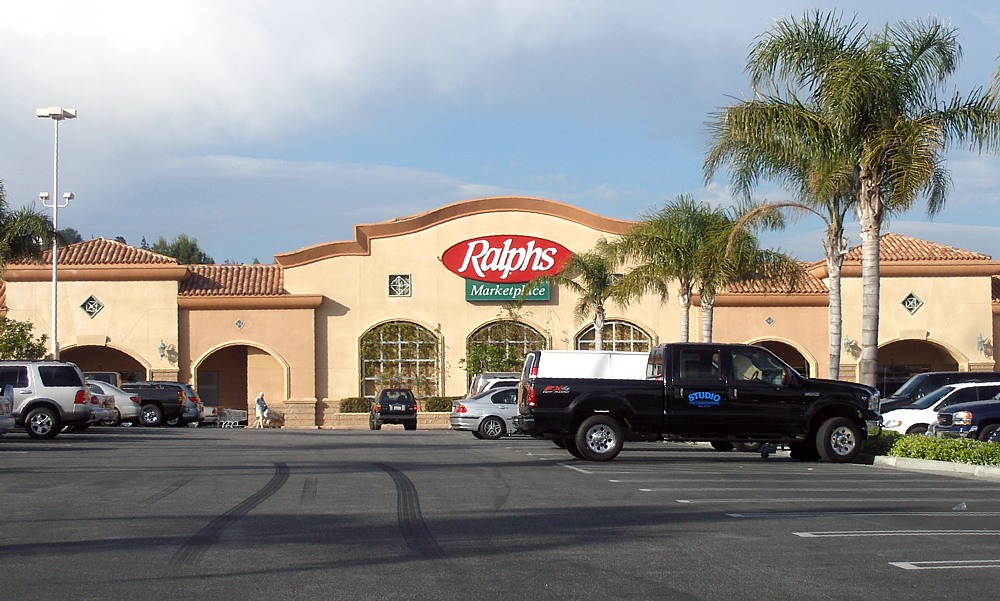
404,300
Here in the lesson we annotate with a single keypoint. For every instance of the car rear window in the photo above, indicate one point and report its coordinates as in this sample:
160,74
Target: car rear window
59,375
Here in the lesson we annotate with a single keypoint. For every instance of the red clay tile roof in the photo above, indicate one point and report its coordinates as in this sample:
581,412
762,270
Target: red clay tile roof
233,280
807,284
102,251
896,247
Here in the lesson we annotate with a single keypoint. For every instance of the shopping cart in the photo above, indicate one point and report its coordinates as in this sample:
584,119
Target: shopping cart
232,418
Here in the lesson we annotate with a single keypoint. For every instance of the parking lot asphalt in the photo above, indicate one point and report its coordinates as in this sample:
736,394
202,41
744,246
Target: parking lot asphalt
244,514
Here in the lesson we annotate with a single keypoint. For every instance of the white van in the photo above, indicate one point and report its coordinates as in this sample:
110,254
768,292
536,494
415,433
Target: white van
618,365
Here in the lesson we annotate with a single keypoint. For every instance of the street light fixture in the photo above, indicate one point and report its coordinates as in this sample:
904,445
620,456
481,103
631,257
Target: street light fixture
57,114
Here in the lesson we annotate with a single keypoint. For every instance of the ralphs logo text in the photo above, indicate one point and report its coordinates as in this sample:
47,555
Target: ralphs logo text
500,259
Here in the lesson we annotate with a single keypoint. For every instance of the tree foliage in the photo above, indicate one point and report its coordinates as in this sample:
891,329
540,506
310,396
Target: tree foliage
826,88
16,340
24,233
182,248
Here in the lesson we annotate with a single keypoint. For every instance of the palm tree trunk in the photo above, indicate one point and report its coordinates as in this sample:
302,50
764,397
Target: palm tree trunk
599,329
684,297
707,313
834,263
869,207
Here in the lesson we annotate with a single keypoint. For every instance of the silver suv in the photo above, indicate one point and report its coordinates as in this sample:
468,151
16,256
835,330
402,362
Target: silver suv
47,396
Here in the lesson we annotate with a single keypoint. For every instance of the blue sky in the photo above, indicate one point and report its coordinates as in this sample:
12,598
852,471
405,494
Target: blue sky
260,127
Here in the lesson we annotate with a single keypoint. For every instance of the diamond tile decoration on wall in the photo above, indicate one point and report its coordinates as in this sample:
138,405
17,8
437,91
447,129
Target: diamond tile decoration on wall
92,306
912,303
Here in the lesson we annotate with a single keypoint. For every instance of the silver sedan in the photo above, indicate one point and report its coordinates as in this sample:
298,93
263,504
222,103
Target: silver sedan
487,415
127,409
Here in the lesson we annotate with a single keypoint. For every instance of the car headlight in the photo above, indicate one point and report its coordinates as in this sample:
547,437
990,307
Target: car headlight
875,403
892,423
961,418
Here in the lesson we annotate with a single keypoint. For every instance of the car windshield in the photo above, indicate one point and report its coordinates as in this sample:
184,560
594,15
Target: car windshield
481,395
929,399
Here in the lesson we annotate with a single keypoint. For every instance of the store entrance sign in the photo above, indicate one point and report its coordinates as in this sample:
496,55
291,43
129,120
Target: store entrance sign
488,291
505,259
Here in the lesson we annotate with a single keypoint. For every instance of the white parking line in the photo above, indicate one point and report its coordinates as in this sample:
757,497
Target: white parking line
811,514
809,489
857,533
831,500
947,565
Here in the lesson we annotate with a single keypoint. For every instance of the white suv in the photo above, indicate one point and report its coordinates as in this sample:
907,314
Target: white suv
47,396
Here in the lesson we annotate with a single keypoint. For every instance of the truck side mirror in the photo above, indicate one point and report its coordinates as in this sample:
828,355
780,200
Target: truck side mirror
786,377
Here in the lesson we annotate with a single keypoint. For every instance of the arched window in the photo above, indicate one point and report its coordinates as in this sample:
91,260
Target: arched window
501,346
399,353
618,336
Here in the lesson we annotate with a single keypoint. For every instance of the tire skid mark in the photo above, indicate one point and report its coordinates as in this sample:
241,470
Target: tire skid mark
308,491
196,546
411,521
166,492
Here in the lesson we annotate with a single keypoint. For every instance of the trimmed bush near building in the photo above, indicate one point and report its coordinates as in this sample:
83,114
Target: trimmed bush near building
355,405
440,403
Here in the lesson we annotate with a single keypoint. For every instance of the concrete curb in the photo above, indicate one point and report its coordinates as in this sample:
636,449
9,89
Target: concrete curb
988,472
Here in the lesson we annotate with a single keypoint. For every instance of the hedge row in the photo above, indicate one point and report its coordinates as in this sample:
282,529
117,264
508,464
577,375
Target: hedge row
918,446
432,404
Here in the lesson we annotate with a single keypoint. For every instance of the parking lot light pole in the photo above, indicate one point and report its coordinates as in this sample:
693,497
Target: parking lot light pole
57,114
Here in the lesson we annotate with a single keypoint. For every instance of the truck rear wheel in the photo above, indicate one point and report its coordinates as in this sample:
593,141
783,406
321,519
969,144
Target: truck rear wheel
599,438
838,440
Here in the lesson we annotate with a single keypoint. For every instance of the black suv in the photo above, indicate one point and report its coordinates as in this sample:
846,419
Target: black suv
394,406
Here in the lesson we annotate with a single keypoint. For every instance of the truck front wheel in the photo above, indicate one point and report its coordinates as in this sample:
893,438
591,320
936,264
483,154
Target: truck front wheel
599,438
838,440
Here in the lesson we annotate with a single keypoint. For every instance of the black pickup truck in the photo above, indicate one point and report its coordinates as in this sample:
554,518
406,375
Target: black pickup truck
721,393
159,405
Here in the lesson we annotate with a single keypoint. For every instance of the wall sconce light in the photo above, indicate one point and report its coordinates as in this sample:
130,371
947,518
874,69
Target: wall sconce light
162,349
980,343
847,344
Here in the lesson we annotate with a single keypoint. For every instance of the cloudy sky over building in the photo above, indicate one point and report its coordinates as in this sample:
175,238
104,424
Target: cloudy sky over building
260,127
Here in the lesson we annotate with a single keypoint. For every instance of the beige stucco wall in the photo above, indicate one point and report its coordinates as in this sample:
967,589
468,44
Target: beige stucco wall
803,328
955,311
281,359
357,287
135,318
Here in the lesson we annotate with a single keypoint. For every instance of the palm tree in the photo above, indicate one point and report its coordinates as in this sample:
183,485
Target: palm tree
877,95
689,242
591,275
823,185
24,233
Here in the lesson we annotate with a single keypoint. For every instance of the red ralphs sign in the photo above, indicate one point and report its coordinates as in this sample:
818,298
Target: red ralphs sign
503,259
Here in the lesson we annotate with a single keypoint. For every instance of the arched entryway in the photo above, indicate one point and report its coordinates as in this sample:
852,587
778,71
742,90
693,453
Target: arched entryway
789,354
231,376
105,358
899,360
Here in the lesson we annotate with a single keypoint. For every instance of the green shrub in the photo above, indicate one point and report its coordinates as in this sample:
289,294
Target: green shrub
355,405
958,450
440,403
880,445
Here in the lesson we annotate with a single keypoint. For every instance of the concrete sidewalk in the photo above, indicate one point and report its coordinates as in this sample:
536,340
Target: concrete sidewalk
946,468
